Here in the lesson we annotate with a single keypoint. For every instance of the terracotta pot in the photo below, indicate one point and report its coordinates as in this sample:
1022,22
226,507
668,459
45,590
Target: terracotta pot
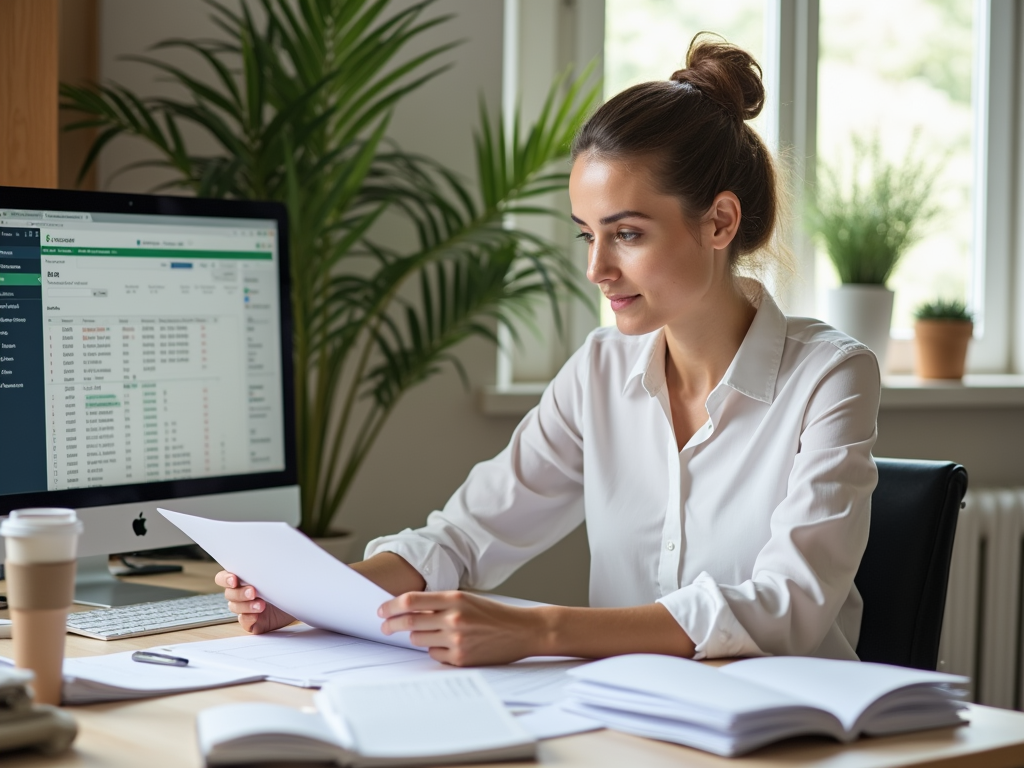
338,544
940,348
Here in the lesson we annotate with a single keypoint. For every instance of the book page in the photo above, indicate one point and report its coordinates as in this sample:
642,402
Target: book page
423,715
844,688
258,732
688,688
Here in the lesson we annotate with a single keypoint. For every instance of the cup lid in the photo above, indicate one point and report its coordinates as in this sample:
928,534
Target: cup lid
41,521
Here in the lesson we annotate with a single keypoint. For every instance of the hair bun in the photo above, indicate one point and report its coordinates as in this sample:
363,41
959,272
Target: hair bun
727,75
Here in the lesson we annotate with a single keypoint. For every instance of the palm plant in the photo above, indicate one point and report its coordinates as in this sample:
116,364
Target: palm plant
298,104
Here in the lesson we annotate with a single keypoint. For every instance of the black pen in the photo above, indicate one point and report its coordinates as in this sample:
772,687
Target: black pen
148,657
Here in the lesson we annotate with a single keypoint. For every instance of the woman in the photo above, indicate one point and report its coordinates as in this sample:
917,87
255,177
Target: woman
721,451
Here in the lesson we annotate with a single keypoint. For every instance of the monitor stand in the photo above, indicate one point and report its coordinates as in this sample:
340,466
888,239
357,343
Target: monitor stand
95,585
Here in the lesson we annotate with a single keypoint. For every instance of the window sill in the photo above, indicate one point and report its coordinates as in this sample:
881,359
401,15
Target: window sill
978,390
511,400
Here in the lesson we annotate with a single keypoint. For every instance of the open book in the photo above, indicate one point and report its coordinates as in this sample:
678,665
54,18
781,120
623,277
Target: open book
419,720
745,705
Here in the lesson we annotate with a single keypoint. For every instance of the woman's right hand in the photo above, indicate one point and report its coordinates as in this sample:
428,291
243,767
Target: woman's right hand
255,614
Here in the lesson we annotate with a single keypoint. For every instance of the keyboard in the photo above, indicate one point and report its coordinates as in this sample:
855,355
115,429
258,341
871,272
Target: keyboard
152,618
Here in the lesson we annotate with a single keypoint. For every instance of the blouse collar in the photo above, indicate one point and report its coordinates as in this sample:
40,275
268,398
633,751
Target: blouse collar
755,367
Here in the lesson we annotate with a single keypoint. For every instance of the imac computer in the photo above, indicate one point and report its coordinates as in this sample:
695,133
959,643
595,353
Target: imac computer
145,361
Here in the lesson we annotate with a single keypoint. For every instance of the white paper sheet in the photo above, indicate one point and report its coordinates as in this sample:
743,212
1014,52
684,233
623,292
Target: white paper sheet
552,722
115,677
293,573
533,682
297,655
307,657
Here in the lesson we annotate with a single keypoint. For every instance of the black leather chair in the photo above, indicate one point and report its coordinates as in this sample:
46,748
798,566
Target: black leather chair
903,575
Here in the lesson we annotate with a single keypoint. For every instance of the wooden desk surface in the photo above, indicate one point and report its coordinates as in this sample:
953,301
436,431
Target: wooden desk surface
161,732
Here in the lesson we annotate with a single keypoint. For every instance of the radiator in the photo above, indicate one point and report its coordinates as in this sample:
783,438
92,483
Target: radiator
982,627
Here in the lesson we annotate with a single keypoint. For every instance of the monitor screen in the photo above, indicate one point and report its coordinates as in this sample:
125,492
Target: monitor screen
144,349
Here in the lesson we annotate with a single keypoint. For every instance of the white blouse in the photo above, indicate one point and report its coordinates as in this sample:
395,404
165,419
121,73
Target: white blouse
750,535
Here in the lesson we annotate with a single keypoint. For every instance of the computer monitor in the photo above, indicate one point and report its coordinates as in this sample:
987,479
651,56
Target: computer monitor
145,361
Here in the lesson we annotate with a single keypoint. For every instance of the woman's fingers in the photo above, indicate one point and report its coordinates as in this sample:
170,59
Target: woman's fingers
416,622
421,601
255,615
240,594
252,606
462,629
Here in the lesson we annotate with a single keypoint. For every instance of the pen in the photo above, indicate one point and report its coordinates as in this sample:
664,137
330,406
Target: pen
148,657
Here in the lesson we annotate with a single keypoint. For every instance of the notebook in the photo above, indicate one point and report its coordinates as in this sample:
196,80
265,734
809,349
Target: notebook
419,720
748,704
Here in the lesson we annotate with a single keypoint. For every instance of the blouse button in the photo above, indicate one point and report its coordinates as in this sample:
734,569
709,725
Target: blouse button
670,546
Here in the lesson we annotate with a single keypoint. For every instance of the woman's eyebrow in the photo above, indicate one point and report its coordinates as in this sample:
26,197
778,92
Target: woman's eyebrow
614,217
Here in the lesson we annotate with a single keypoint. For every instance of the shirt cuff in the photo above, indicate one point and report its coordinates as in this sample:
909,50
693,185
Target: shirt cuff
704,614
427,557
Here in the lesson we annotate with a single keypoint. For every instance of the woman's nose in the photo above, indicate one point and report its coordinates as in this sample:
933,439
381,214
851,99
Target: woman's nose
600,263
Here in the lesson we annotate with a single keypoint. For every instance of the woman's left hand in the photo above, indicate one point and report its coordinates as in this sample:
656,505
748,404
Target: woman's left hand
464,629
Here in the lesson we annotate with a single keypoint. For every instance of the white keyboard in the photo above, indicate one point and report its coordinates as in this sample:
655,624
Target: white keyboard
152,618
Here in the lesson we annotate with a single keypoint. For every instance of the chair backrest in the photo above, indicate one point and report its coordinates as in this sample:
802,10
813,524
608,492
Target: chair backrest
903,575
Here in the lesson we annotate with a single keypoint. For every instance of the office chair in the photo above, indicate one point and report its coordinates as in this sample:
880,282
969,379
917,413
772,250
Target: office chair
903,575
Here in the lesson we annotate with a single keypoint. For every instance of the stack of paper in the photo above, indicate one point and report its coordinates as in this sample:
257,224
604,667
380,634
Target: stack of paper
745,705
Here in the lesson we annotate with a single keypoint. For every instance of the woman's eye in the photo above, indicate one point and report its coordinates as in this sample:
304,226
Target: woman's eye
586,237
627,236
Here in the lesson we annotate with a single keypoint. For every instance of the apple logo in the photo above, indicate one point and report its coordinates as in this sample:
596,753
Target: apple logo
139,525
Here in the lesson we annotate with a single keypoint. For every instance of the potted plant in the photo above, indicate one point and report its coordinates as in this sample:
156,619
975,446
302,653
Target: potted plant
297,102
942,331
867,218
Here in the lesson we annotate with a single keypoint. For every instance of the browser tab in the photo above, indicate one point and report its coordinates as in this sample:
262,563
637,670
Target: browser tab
15,214
66,216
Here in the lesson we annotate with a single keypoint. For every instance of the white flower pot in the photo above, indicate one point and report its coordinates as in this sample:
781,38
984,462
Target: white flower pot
864,312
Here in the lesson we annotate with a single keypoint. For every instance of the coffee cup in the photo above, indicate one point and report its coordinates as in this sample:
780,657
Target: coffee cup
40,565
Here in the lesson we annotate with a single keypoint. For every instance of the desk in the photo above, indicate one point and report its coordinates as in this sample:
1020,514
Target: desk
154,733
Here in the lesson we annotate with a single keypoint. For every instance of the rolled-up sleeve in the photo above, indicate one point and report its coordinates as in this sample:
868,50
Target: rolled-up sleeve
804,574
512,507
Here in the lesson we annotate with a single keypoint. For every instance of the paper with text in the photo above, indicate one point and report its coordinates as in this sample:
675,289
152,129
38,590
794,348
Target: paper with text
297,655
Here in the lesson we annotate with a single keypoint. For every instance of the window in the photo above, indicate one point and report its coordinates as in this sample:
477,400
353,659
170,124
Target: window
900,72
944,68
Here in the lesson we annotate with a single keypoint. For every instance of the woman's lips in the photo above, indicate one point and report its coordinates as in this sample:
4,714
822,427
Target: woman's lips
621,302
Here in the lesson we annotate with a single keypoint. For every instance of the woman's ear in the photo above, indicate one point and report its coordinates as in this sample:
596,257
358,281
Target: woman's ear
725,215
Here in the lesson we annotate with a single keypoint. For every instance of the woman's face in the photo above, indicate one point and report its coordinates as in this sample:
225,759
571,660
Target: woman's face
642,253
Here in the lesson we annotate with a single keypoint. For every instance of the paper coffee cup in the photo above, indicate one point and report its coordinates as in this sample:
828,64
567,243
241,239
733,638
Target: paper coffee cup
40,565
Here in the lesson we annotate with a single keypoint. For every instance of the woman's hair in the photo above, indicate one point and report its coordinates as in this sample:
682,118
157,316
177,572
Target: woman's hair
691,132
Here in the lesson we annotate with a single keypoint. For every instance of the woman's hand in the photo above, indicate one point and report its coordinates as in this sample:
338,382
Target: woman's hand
254,614
465,629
